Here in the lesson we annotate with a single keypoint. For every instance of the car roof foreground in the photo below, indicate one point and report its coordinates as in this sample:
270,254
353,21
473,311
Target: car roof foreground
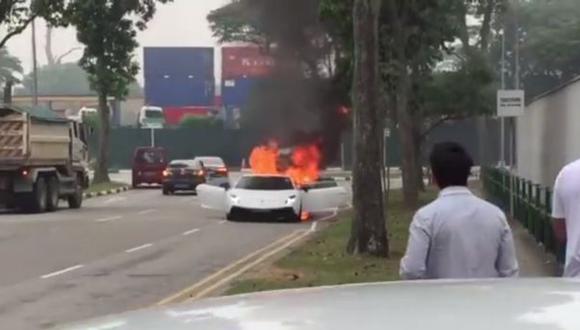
539,304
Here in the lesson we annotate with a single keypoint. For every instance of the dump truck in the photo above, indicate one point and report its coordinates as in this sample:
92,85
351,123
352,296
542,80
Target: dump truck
43,159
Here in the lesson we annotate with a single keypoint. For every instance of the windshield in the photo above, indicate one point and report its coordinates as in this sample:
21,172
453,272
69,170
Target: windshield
154,114
150,157
212,162
265,183
237,146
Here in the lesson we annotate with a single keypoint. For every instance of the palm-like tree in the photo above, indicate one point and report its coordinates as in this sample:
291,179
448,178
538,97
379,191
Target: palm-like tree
9,66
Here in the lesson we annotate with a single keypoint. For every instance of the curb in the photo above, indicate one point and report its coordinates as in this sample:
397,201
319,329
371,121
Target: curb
106,192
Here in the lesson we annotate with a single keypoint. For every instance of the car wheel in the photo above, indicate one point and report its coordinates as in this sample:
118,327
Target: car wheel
35,202
230,217
167,191
53,194
75,201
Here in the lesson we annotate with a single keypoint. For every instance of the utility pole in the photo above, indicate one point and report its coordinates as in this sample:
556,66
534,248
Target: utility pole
502,119
34,65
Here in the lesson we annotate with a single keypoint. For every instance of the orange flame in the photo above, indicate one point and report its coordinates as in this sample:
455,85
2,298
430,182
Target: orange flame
304,167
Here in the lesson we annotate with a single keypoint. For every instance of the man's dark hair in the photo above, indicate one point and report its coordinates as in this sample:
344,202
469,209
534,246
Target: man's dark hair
451,164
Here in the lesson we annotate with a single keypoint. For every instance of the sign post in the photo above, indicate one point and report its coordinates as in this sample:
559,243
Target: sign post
510,103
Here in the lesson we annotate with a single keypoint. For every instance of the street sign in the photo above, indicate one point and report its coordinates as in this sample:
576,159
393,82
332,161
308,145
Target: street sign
510,103
152,123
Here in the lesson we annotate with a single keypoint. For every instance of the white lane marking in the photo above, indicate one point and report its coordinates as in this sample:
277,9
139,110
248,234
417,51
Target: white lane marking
313,227
223,222
139,248
60,272
145,212
114,200
114,218
190,232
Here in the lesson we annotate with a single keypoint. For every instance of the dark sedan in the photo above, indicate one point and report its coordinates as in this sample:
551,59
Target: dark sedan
182,175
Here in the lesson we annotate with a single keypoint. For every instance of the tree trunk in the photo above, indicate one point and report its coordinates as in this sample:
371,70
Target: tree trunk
419,163
102,169
408,145
369,232
48,47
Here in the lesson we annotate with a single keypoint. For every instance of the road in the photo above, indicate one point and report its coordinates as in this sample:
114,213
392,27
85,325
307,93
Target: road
117,253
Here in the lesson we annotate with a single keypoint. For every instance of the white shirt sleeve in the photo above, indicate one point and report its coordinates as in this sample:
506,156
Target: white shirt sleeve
558,209
414,263
507,262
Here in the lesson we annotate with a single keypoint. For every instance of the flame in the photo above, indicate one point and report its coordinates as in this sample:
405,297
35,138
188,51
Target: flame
304,167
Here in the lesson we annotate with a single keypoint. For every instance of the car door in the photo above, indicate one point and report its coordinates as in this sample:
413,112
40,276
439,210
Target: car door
212,197
323,199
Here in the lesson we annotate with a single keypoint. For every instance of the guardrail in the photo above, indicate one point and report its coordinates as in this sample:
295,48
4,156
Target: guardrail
528,203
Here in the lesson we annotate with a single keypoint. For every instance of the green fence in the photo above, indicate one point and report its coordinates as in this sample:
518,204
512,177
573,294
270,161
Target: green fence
529,203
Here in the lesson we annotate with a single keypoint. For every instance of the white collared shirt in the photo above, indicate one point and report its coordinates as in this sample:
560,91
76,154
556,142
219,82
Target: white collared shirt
459,236
566,205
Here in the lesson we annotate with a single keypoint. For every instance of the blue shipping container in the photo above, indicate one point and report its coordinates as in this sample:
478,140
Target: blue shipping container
178,90
236,92
169,61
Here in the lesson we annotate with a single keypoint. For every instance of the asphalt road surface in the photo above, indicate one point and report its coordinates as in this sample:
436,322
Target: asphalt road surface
117,253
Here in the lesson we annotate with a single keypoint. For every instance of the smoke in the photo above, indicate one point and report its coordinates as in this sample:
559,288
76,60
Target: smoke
300,103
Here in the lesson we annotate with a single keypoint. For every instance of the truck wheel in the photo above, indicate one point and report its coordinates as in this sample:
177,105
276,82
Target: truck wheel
75,201
35,202
53,196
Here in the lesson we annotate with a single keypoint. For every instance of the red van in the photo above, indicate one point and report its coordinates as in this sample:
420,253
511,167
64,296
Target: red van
148,165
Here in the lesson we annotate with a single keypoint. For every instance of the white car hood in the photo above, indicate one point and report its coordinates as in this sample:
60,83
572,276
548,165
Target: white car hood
262,199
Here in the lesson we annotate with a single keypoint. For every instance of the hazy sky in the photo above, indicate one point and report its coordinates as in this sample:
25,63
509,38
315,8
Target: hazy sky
181,23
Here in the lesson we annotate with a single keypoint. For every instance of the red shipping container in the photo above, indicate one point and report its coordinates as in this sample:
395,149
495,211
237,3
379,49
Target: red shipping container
174,115
245,62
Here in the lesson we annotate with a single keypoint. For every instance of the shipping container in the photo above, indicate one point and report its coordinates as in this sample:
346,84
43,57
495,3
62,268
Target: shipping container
189,61
178,90
174,115
236,92
245,62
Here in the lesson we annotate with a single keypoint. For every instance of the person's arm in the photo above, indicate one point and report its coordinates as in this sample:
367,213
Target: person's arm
414,263
507,262
558,214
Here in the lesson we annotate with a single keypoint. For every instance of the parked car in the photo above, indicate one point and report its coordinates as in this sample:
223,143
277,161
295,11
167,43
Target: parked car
272,197
182,175
435,305
148,166
216,171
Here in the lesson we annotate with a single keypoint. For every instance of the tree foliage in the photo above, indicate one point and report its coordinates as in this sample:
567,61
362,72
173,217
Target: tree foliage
108,29
9,66
549,36
66,79
16,15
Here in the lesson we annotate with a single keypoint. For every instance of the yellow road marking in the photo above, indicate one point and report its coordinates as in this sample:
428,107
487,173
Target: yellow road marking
247,267
185,292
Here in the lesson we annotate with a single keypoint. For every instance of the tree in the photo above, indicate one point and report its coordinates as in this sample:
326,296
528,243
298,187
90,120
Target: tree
369,233
65,79
16,15
9,66
548,33
108,30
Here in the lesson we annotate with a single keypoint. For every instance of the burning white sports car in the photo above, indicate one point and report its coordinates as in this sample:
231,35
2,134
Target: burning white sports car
273,197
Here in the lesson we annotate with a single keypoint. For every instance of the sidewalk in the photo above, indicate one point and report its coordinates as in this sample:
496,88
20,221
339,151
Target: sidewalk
534,261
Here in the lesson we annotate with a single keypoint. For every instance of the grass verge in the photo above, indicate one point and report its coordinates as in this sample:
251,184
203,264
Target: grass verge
323,260
104,186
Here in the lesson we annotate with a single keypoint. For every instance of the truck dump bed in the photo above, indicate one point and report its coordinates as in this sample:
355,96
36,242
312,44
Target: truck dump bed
31,137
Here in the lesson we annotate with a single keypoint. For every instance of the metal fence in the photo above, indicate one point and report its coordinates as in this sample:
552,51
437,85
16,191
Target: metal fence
528,203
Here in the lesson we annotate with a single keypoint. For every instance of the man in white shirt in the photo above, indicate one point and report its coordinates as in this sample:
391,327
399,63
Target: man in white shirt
566,214
459,235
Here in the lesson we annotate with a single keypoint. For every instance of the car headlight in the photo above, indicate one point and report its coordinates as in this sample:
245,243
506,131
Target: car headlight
291,200
235,199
